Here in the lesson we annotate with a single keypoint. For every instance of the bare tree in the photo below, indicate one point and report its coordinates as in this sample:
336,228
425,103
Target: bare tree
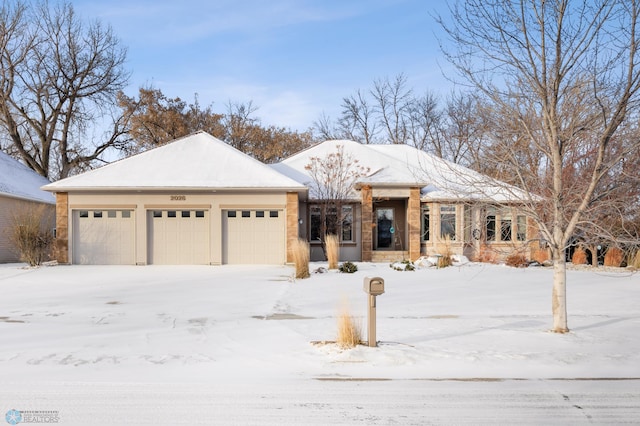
333,179
58,77
563,83
393,103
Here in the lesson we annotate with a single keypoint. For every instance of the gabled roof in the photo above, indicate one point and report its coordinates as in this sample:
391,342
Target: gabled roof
404,166
19,181
195,162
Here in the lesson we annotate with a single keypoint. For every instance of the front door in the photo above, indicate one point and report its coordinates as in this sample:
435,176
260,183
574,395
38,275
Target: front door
385,229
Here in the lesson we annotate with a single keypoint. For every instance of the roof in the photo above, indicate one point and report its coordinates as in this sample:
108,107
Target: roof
19,181
195,162
405,166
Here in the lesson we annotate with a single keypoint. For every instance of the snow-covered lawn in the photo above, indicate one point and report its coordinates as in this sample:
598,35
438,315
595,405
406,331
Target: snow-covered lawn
199,324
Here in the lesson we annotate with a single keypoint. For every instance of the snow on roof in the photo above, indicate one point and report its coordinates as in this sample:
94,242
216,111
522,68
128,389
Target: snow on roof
197,161
403,165
19,181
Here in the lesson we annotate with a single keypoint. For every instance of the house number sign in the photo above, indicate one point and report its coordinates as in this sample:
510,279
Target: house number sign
178,198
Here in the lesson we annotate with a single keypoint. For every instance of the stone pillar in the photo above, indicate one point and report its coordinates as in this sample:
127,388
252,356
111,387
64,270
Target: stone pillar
414,223
367,223
292,223
61,243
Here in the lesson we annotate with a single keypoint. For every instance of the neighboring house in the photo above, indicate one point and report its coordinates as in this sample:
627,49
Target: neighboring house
411,203
196,200
19,191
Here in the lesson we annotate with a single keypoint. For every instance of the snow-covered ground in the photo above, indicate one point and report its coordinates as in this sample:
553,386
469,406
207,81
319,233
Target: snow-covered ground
154,338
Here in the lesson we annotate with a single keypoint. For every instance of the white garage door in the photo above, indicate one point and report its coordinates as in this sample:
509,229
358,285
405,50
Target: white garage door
254,237
178,237
103,237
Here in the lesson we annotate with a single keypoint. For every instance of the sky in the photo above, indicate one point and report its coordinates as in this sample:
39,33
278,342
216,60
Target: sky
294,59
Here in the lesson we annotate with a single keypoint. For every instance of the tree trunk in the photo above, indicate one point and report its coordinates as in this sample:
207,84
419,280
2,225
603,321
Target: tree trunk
559,296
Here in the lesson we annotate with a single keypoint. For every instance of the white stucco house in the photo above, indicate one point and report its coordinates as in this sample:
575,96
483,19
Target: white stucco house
197,200
19,191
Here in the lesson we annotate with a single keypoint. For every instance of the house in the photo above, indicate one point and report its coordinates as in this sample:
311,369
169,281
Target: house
19,192
197,200
408,203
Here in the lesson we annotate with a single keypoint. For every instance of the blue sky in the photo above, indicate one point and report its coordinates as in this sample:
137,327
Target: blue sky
295,59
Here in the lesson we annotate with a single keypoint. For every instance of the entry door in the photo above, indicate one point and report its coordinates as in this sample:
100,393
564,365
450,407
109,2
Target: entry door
384,227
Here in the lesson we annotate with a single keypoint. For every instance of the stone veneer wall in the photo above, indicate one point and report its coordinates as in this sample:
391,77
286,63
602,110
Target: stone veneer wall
292,222
61,243
414,223
367,223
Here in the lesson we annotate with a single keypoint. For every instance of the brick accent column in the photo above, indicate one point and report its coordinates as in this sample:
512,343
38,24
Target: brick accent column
292,222
367,223
414,223
61,243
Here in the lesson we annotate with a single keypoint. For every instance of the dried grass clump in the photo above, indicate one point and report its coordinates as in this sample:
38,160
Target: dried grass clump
516,260
613,257
333,250
634,260
446,254
300,251
349,330
579,257
540,255
487,255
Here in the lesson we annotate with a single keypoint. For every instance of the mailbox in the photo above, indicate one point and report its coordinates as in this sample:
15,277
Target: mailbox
374,286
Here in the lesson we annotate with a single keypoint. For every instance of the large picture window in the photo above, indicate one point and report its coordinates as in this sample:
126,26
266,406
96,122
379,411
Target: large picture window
341,225
491,224
448,222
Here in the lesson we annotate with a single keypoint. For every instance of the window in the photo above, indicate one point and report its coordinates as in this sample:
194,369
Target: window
126,214
347,223
273,213
315,223
97,213
200,213
505,225
171,213
246,213
231,213
186,213
448,222
111,213
157,213
84,213
341,226
491,224
521,231
425,224
259,213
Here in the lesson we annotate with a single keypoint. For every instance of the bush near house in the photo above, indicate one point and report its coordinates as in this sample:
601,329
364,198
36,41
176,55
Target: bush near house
348,267
516,260
579,257
31,235
613,257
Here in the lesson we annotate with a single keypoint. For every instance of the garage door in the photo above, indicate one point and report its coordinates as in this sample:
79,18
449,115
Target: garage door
178,237
254,237
103,237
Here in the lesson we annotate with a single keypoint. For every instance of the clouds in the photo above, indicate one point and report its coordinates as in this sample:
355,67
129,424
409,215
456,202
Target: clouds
294,59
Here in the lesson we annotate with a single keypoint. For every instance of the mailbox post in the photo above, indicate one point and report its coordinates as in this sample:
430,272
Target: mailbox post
373,287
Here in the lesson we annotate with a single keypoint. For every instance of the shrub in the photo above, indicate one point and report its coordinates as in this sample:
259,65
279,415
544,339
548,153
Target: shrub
516,260
31,235
634,260
487,255
300,251
333,250
348,267
579,257
613,257
349,331
405,265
